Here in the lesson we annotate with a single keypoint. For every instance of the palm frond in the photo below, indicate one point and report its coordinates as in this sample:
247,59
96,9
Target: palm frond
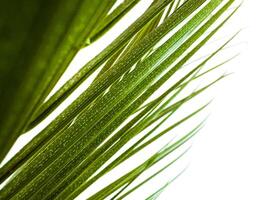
41,40
117,116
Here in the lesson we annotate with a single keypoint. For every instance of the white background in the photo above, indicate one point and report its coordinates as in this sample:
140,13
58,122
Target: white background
228,159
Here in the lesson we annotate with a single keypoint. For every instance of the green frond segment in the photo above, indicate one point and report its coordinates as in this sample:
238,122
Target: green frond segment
64,159
140,49
111,19
102,84
105,192
156,194
40,40
150,26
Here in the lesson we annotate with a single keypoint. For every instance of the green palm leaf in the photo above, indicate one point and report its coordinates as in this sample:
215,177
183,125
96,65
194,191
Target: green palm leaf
83,143
45,37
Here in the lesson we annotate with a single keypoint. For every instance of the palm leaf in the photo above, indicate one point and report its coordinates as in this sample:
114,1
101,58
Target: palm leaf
95,89
83,144
34,57
140,49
